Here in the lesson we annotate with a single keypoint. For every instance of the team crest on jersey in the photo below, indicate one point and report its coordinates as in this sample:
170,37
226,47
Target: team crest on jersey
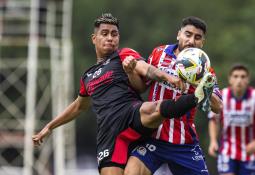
141,150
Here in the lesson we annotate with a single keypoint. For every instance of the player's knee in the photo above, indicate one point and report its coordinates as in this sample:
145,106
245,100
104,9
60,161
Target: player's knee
136,167
130,169
151,117
127,171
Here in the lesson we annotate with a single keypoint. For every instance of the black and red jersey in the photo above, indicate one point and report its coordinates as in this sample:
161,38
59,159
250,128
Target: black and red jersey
112,95
107,83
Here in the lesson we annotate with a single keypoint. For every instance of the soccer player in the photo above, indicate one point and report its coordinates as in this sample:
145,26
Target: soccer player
237,119
175,141
122,116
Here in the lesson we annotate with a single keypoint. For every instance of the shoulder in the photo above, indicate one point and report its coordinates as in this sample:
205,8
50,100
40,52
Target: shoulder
127,50
156,54
124,52
159,49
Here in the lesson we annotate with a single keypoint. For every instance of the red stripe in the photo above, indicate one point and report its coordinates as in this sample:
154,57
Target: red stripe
164,135
228,99
177,131
151,92
228,140
168,94
82,88
188,138
121,145
238,105
238,143
247,139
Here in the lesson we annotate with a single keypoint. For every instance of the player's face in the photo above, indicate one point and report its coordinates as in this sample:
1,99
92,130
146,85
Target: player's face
106,39
190,36
239,81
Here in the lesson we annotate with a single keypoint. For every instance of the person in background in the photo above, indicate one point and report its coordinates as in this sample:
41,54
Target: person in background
237,144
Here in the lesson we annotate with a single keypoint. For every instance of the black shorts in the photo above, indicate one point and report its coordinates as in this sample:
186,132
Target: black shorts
116,141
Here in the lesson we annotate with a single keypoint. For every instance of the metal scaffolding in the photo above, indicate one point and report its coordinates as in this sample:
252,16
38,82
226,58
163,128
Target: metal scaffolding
35,85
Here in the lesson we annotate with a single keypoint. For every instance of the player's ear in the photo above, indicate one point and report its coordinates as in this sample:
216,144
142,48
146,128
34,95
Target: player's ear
93,38
203,41
178,35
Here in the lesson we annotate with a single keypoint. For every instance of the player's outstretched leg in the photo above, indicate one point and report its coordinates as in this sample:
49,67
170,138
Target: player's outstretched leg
153,113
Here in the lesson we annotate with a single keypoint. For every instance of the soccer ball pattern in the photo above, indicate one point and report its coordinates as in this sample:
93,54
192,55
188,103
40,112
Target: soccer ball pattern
192,64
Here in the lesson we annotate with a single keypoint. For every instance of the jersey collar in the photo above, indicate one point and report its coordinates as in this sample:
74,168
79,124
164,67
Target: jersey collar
170,50
246,95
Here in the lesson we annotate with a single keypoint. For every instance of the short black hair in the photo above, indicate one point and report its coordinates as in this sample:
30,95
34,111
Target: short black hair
106,18
239,66
195,21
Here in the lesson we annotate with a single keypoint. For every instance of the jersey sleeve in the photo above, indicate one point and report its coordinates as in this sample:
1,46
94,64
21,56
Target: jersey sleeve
123,53
82,91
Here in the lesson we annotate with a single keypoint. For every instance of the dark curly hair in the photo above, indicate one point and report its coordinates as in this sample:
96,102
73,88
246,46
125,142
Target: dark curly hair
106,18
195,21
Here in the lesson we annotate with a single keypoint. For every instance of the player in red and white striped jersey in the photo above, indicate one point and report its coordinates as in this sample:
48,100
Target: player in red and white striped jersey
175,141
175,131
237,121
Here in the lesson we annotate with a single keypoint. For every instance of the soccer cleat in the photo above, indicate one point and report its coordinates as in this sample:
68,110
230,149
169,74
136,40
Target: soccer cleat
204,91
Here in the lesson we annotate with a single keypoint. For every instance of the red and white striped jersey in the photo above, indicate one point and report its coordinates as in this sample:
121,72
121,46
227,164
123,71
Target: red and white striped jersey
237,120
171,130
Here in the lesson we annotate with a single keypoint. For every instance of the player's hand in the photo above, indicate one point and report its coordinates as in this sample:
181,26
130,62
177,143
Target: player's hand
250,148
213,149
129,64
177,82
38,138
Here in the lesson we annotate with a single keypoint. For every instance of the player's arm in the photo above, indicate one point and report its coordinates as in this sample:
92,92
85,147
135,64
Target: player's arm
136,81
213,130
70,113
216,98
216,103
152,73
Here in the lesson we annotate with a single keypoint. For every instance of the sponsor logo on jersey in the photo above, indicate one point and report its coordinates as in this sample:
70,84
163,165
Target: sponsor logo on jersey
95,83
141,150
237,118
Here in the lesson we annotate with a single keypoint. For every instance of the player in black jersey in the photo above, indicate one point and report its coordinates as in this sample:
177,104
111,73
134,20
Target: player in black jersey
122,116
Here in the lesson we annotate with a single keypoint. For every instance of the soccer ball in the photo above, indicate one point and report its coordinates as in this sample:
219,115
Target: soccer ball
191,65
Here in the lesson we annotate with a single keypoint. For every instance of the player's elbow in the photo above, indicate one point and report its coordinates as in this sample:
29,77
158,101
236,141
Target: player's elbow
216,104
217,108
